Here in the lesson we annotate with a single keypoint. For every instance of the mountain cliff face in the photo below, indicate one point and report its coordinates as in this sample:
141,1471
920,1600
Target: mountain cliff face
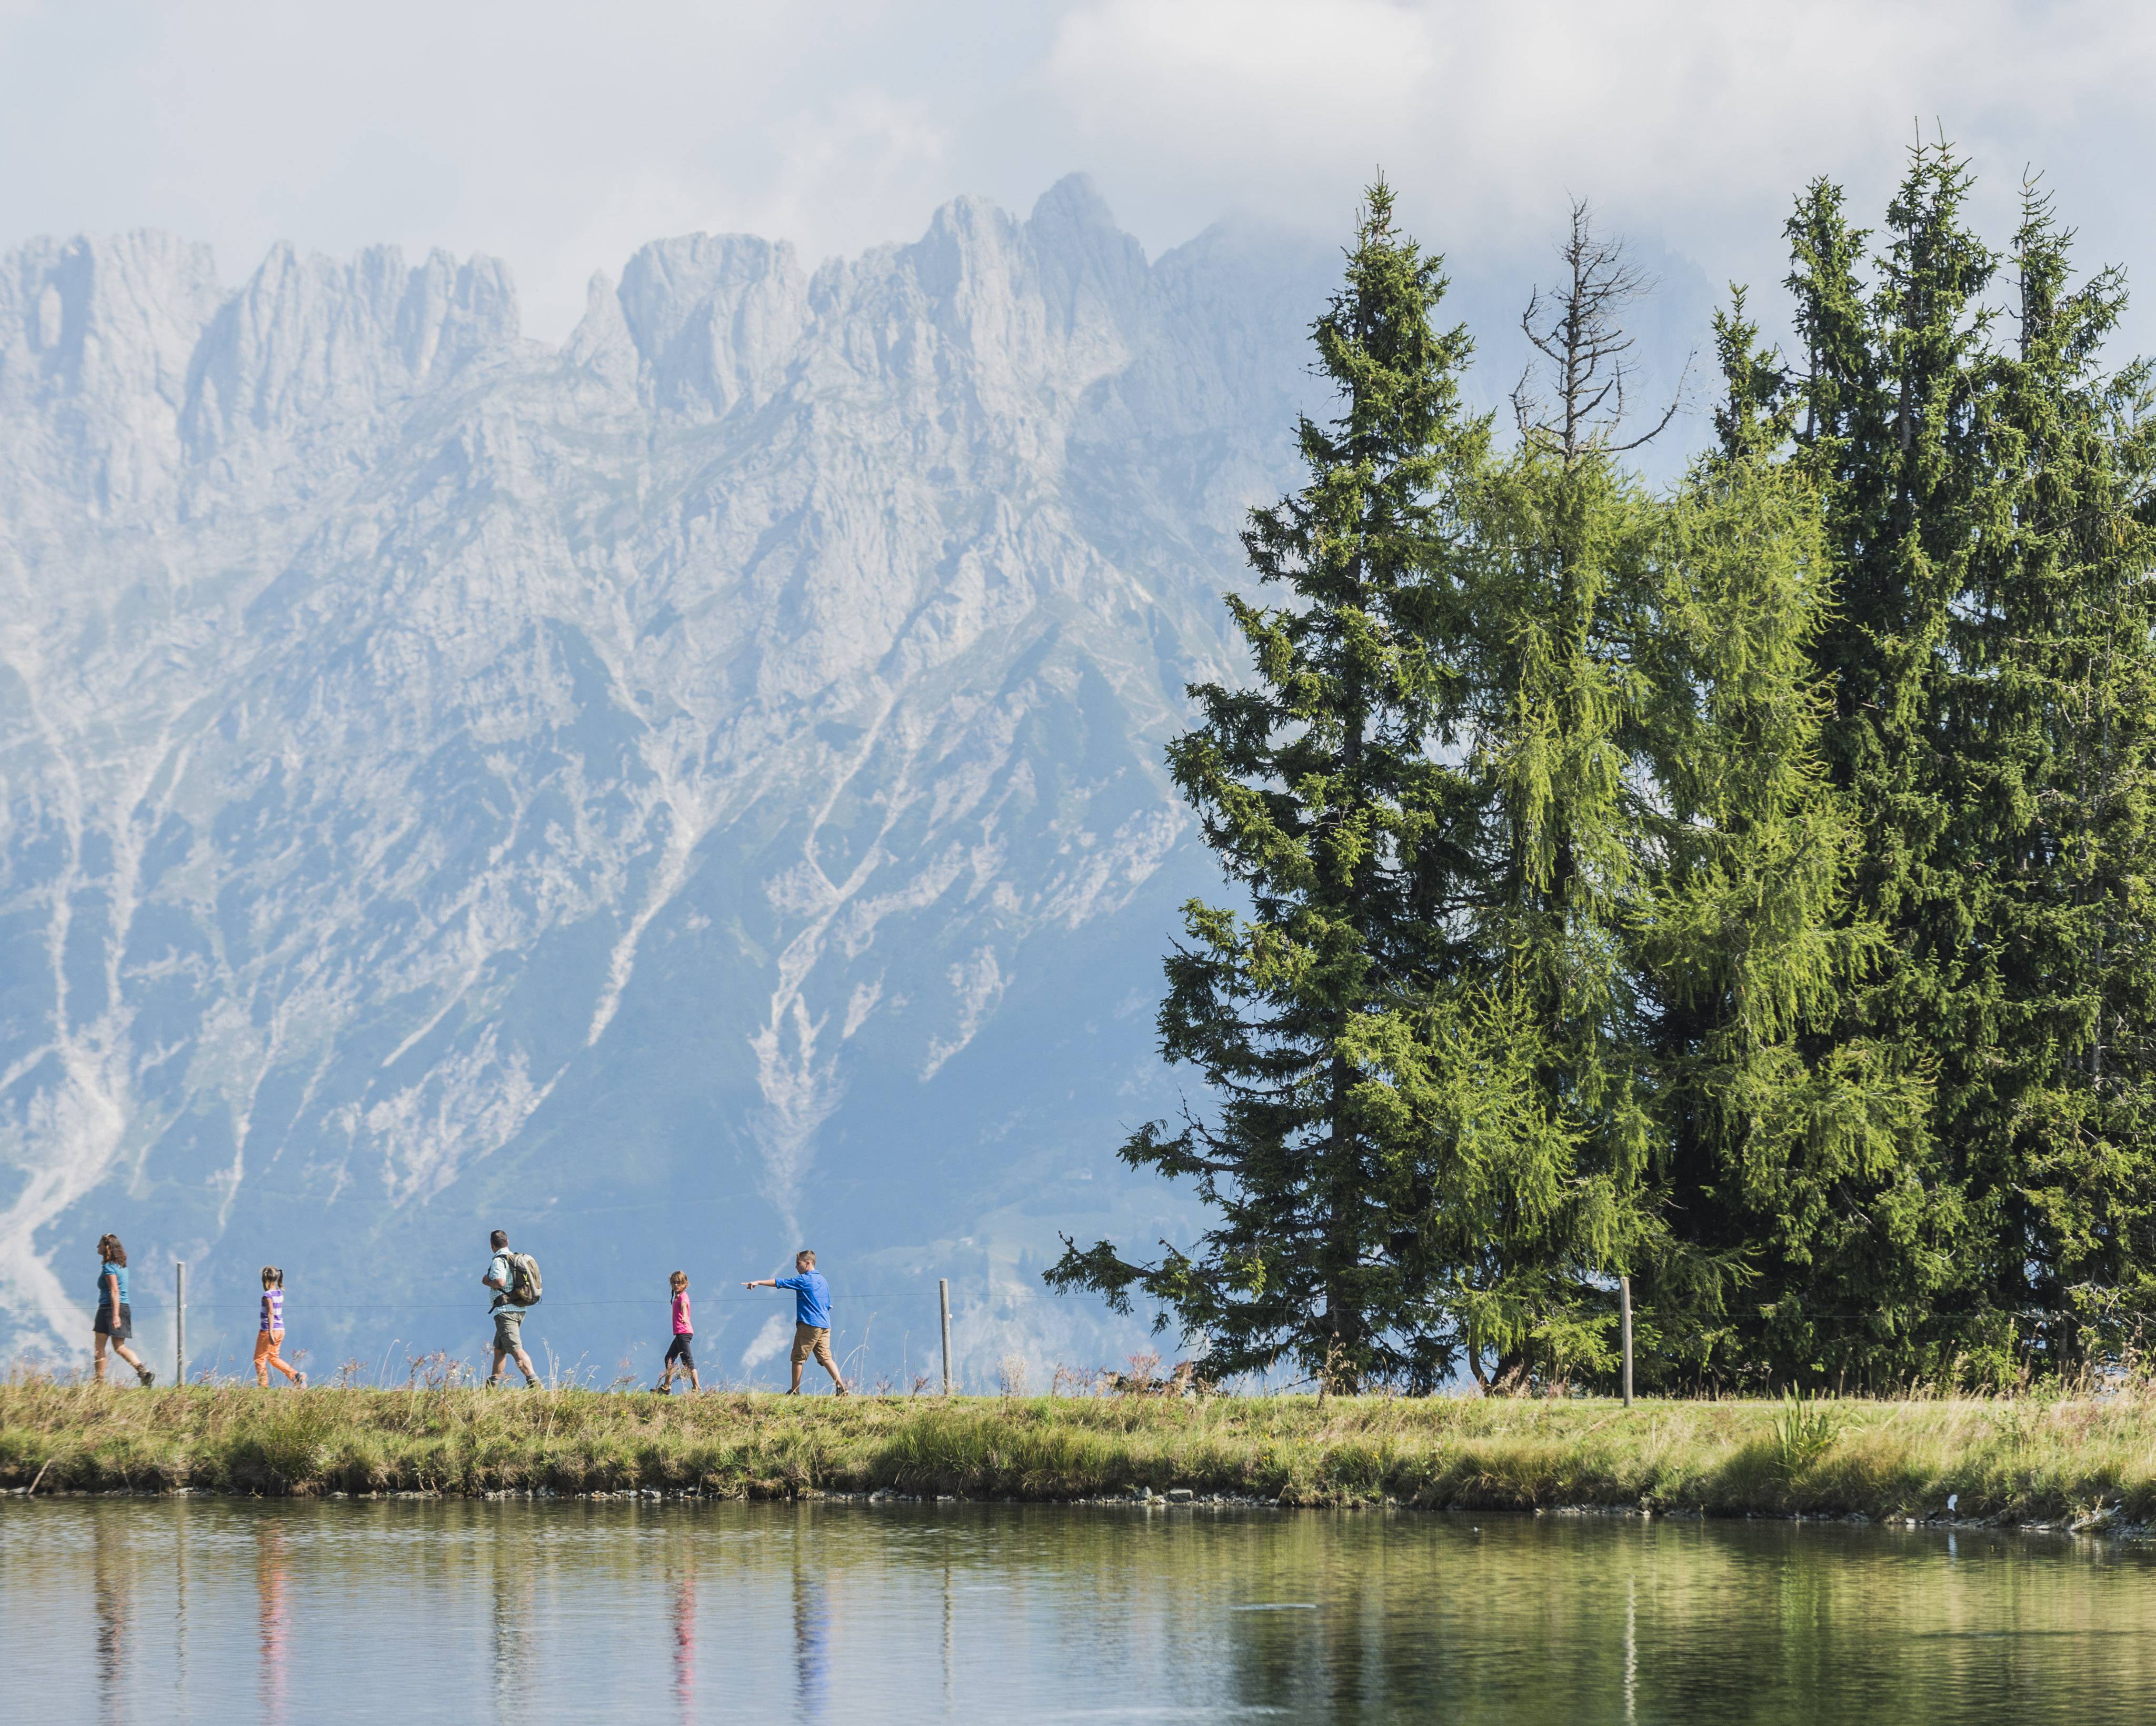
672,796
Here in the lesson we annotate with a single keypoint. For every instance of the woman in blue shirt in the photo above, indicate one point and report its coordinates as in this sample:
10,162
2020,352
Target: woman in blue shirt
115,1320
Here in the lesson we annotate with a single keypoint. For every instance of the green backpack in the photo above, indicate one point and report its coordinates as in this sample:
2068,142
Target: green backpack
523,1290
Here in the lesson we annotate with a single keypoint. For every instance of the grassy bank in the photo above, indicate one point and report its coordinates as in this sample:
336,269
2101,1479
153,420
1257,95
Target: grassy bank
2015,1460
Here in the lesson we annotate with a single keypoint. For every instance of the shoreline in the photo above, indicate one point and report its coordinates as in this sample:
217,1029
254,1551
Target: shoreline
681,1498
2051,1465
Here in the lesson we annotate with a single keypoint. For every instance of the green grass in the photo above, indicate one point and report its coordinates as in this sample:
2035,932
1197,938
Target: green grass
2015,1459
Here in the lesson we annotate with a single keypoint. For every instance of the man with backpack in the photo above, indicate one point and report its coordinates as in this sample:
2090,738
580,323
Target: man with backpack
514,1277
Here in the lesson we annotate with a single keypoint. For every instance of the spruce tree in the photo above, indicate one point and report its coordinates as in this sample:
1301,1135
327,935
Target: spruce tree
1315,789
1872,1253
1990,668
2063,661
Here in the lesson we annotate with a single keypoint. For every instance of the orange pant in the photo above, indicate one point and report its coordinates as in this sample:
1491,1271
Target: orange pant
267,1343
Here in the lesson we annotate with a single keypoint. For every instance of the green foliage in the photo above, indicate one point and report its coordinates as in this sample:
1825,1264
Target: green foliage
1544,875
1983,1205
1315,787
1805,1431
1743,887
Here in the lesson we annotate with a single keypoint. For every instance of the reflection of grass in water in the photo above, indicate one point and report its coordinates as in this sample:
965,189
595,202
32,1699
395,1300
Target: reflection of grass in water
2033,1457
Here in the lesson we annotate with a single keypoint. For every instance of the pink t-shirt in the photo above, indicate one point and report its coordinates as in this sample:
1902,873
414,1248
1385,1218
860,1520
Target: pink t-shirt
682,1327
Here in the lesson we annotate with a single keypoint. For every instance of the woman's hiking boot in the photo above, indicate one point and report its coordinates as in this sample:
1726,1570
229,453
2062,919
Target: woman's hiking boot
148,1377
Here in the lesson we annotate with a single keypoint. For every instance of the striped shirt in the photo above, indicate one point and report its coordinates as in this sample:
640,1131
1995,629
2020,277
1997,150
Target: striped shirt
272,1309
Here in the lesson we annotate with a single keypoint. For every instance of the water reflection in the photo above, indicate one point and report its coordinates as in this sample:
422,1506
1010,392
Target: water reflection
950,1686
812,1645
504,1571
270,1605
685,1644
1631,1648
113,1586
400,1611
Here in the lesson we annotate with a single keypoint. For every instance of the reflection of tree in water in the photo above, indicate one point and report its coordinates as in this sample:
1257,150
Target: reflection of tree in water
1306,1628
271,1611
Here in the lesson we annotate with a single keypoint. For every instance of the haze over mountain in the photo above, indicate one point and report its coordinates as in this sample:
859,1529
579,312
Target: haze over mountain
676,795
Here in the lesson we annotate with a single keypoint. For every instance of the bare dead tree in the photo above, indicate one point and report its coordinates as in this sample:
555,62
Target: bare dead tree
1578,329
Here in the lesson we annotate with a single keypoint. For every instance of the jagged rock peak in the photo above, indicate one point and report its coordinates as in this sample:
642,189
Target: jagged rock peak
312,340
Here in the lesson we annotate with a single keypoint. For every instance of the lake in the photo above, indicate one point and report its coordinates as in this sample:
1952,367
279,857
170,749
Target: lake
152,1609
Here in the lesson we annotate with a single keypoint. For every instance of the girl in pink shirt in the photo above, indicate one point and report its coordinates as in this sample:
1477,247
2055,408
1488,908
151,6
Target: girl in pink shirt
685,1334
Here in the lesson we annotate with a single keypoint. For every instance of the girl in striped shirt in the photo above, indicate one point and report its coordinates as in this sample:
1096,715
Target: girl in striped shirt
269,1340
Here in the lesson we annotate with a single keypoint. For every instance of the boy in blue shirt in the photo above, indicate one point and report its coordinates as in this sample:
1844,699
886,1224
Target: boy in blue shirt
812,1318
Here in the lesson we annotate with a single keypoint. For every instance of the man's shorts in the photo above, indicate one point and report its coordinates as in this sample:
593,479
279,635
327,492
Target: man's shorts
813,1339
119,1327
508,1329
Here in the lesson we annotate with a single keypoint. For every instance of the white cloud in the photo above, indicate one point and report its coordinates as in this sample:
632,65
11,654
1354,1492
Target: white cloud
560,134
1697,120
769,1343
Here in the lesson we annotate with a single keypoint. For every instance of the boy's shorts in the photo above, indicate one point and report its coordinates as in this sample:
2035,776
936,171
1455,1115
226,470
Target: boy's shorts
813,1339
680,1351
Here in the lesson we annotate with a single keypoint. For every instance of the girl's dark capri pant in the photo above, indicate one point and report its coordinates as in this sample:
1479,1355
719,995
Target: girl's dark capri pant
680,1351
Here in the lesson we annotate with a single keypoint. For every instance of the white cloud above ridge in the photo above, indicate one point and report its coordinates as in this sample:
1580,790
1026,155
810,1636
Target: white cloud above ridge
561,136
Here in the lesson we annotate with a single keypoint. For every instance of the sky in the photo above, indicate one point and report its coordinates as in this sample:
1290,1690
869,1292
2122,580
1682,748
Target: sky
560,137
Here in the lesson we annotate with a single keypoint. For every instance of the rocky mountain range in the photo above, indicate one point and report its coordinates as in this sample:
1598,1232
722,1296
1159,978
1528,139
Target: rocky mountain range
674,794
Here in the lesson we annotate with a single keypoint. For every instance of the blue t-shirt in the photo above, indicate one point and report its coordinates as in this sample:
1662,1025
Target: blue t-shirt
104,1293
812,1299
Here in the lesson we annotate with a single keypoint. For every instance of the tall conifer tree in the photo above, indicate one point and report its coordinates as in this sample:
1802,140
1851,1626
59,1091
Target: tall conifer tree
1990,669
1315,790
2063,661
1890,430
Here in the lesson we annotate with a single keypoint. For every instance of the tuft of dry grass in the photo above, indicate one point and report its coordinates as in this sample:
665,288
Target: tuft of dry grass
2018,1459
